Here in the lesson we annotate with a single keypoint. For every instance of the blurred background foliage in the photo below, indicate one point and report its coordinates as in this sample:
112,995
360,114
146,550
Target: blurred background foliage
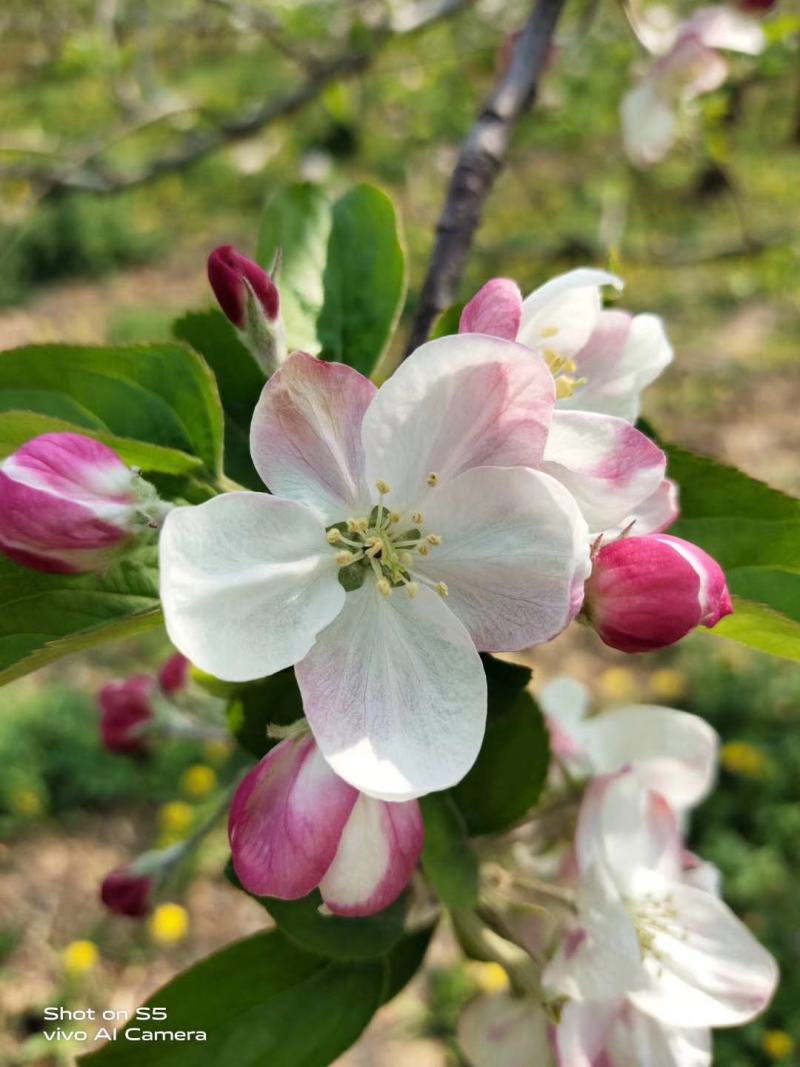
96,94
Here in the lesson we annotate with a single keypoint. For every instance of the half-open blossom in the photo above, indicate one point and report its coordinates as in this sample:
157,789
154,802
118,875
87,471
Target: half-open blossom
406,532
674,951
689,66
125,714
249,298
600,361
68,504
295,826
649,592
673,752
126,892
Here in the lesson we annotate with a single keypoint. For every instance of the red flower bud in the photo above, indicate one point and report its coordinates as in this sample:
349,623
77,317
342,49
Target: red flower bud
173,674
124,710
127,893
228,271
648,592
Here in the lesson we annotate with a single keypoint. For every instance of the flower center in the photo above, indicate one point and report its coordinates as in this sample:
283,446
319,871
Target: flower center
563,370
386,545
652,917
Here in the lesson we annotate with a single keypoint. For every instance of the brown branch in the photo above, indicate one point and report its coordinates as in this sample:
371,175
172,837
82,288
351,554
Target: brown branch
479,163
89,175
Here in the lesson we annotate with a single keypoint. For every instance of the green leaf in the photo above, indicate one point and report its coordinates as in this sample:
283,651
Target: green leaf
239,380
298,220
163,394
753,531
405,959
17,427
506,779
365,279
46,616
447,857
274,700
448,321
260,1001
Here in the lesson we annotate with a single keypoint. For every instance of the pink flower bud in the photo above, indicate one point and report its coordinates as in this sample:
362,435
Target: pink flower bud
127,893
249,298
68,504
125,711
649,592
173,674
496,309
757,7
294,826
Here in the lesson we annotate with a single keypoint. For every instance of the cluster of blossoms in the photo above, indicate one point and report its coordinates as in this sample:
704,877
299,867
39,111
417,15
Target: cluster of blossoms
687,64
642,958
493,490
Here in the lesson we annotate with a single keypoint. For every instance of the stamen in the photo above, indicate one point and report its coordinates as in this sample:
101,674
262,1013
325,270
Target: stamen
384,587
433,539
383,487
432,479
441,589
375,546
406,559
412,589
395,516
333,536
548,331
416,517
343,558
423,550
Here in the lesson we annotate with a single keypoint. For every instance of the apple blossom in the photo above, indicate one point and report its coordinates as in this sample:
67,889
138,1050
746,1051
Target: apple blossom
249,298
294,826
407,532
689,66
648,592
673,752
126,713
504,1031
610,468
673,951
173,674
68,504
126,892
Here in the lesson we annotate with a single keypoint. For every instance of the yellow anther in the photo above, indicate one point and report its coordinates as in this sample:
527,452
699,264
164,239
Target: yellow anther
357,525
384,586
433,539
423,550
441,588
333,536
416,516
383,487
432,479
343,558
412,589
406,559
567,386
548,331
395,516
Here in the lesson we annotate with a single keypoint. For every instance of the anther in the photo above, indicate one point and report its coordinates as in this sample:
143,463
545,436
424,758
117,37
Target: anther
433,539
548,331
406,559
423,550
432,479
384,586
416,516
343,558
412,589
383,487
333,536
395,516
441,588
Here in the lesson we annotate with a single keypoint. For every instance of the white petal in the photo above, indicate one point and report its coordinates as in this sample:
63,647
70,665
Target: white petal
622,357
504,1031
514,545
247,582
674,753
636,1040
608,466
457,403
653,515
649,123
561,314
566,701
395,693
580,1038
709,970
720,26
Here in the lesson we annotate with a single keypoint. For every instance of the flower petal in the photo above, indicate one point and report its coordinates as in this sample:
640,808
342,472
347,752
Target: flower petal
513,545
305,437
720,26
653,515
286,821
649,123
621,358
503,1031
636,1040
674,753
457,403
562,313
395,694
377,854
608,466
496,309
247,582
709,970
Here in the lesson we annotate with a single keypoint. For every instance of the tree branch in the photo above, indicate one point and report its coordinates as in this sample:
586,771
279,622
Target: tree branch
479,163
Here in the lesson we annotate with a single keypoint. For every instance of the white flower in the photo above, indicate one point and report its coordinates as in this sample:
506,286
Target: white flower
407,532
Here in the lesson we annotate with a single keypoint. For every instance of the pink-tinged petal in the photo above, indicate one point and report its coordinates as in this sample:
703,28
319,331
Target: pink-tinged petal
622,357
496,309
701,874
561,314
649,123
457,403
720,26
674,753
125,711
513,545
608,466
706,968
504,1031
653,515
377,854
73,466
305,437
566,703
395,693
629,829
581,1035
286,821
247,583
690,69
637,1040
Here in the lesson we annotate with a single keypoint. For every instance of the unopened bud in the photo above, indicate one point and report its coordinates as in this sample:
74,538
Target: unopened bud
249,298
125,713
173,675
127,893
